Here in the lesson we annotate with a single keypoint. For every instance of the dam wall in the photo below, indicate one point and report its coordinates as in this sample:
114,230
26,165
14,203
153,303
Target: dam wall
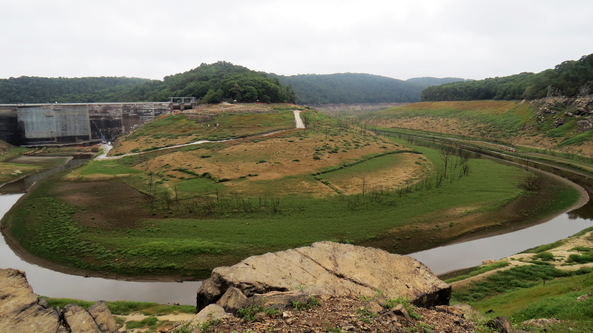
77,123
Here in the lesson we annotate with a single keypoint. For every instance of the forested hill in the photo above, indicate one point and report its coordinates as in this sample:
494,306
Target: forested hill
570,79
26,89
350,88
209,83
221,81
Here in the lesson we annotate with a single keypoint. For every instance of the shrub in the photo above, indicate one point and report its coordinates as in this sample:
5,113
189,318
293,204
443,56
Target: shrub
544,256
312,302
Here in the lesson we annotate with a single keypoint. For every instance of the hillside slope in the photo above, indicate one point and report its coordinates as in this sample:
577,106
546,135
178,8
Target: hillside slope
565,124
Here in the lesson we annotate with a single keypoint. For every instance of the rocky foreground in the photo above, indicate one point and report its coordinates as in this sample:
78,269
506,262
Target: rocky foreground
21,311
327,287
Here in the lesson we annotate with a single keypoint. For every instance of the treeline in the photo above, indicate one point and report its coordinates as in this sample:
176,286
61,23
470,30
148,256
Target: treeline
570,79
214,83
26,89
350,88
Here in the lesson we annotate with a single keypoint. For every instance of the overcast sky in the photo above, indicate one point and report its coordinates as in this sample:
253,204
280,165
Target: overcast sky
395,38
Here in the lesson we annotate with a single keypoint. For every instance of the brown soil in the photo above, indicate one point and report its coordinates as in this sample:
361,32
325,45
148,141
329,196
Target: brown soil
281,155
343,314
108,205
408,168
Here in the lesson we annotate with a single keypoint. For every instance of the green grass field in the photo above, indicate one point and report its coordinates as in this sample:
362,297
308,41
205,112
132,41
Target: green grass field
520,294
231,228
171,216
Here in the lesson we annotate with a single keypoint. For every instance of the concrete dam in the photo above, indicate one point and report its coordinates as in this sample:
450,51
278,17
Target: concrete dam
77,123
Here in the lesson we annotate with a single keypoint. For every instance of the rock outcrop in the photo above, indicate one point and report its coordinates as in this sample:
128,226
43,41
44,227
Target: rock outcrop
328,268
22,311
558,108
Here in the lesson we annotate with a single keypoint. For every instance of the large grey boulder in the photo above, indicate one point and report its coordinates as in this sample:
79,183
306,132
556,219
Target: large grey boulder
329,268
20,310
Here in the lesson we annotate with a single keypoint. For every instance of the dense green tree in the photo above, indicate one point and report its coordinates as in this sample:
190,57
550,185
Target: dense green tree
226,81
28,89
570,78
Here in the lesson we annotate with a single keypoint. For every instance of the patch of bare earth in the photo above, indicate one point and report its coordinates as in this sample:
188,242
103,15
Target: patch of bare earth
109,204
277,156
409,167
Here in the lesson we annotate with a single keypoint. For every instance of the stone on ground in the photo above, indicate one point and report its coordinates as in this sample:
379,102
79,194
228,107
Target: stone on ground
330,268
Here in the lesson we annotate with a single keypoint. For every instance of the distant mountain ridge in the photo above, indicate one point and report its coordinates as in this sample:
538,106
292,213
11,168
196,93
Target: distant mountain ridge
221,81
356,88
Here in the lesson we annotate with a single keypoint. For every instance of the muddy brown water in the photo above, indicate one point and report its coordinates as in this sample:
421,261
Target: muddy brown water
440,260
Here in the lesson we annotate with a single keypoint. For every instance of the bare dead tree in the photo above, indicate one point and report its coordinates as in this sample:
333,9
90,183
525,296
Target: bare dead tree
445,154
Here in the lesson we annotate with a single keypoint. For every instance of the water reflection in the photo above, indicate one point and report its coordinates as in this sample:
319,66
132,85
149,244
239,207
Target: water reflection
469,254
585,212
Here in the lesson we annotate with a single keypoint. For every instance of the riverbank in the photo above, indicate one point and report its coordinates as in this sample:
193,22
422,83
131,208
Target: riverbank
583,199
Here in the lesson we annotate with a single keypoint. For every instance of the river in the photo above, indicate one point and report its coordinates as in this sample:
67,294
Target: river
453,257
440,260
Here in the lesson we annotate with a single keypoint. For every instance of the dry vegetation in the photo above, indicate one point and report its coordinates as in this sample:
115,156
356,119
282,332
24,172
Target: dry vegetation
512,122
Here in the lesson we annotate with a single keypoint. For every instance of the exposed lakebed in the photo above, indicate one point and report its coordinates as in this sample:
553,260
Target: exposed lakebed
442,259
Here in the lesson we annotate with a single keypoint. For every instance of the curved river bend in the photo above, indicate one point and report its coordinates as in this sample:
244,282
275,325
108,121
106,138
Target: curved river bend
440,260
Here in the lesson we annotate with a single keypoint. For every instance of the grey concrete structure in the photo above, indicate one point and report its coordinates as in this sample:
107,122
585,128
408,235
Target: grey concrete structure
52,121
48,124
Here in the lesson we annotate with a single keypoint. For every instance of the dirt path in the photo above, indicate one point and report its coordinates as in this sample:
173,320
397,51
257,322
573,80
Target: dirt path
106,148
297,118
